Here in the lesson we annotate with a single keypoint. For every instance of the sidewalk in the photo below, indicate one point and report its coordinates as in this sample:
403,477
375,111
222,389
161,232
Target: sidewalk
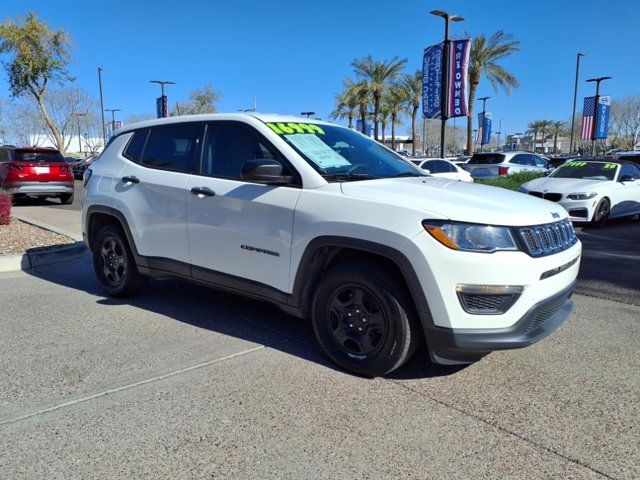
66,222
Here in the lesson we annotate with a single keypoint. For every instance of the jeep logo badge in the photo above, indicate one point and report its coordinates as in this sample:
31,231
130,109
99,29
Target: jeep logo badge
555,215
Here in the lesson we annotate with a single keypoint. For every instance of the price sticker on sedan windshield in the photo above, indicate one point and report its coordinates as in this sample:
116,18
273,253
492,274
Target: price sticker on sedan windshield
317,151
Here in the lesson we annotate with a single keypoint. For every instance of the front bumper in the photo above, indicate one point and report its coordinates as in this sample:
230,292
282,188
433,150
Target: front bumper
39,188
450,346
579,210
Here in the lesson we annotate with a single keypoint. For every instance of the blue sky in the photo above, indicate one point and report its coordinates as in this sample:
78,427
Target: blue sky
292,56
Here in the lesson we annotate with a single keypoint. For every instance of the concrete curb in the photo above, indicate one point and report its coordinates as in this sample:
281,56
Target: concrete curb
27,261
76,236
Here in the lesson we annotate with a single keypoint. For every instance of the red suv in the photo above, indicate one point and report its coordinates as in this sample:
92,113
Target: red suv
35,172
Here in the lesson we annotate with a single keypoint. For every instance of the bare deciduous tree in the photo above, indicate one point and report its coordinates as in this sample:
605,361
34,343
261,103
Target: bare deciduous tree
624,128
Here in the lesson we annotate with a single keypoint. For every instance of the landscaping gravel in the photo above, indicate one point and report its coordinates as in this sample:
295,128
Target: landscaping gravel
20,237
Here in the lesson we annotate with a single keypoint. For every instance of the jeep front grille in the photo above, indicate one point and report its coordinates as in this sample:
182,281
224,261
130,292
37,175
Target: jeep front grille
547,239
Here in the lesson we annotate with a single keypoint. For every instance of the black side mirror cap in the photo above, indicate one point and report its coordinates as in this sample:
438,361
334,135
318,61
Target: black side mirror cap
264,171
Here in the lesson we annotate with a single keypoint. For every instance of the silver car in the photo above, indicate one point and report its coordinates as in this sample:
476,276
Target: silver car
497,164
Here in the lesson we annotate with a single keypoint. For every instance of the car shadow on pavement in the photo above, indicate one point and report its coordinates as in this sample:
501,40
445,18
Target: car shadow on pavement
223,313
611,261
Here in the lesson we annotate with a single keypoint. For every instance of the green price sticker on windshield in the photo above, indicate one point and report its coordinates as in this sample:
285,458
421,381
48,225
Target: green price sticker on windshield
576,164
288,128
610,165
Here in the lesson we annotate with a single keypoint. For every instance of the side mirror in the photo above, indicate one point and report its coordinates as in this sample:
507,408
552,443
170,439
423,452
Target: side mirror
425,170
264,171
627,178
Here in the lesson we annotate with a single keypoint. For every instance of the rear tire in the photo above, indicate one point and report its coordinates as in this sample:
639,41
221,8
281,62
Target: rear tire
364,319
601,215
66,199
114,263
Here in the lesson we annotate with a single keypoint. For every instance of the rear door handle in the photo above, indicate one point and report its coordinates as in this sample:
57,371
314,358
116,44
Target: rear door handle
202,192
131,179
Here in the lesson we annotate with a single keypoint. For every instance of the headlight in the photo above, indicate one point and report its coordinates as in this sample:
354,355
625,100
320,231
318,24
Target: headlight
470,237
582,195
522,190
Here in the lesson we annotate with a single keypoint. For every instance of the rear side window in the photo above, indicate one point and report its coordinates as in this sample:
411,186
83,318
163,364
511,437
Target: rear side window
133,151
173,147
486,158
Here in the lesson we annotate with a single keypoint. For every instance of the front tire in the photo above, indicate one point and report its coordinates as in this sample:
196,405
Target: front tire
601,214
364,320
114,264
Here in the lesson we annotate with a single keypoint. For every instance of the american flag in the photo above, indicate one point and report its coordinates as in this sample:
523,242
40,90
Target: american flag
588,118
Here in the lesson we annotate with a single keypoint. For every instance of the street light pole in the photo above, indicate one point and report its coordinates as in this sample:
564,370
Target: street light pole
104,132
165,103
445,73
499,133
78,115
595,110
575,96
481,127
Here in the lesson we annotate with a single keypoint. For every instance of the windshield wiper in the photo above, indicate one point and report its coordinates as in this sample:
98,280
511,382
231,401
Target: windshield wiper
408,174
348,176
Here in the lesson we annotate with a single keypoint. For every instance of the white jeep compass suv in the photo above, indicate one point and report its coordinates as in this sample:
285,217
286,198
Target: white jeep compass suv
330,225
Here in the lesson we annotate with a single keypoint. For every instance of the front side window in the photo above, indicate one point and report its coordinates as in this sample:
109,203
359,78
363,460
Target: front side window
173,147
228,146
340,154
630,170
539,162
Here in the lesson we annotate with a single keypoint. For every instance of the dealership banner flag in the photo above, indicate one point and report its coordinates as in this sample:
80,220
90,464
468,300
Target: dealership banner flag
602,117
455,102
432,81
458,66
484,128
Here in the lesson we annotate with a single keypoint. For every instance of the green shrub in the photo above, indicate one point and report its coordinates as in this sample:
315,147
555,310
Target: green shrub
512,181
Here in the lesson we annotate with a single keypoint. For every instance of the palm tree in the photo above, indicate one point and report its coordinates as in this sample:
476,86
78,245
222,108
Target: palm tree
360,94
484,59
397,98
385,114
532,129
544,129
557,128
378,74
413,84
346,103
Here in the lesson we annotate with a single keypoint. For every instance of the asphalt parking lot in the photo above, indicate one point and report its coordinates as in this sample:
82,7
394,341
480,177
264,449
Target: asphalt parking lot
186,382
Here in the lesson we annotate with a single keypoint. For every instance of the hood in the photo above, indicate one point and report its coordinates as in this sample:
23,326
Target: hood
441,198
564,185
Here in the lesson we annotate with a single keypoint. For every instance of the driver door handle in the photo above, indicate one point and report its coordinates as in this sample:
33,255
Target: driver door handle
131,179
202,192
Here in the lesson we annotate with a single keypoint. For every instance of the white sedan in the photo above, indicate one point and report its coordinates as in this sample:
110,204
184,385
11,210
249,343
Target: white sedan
443,168
591,191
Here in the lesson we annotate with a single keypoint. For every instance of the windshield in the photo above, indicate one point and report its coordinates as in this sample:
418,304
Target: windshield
587,170
39,156
340,154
